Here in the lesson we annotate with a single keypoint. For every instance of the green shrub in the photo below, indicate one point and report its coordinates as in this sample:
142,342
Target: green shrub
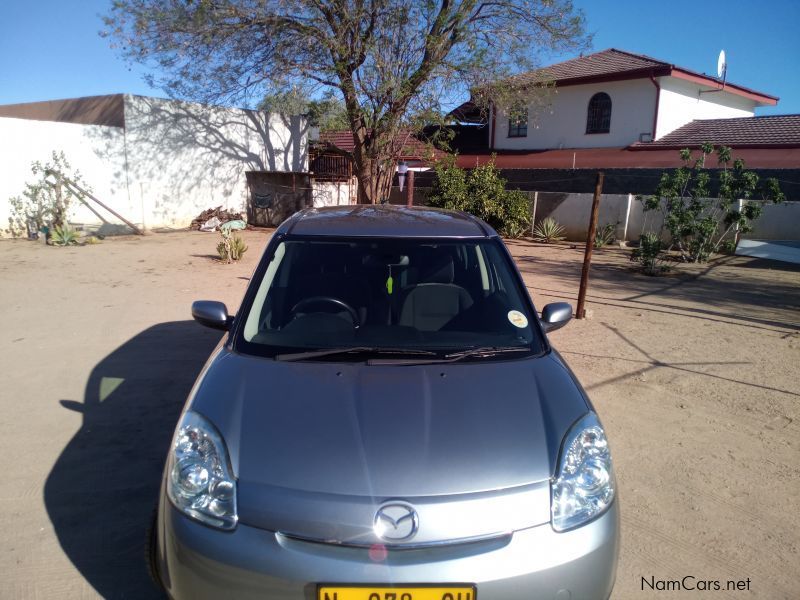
649,254
548,231
481,192
46,200
63,235
728,247
693,217
605,235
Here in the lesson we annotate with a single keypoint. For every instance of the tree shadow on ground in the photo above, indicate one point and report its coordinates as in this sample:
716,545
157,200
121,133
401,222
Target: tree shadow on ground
727,289
102,489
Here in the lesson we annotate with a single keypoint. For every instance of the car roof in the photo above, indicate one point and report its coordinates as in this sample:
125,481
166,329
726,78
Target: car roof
383,220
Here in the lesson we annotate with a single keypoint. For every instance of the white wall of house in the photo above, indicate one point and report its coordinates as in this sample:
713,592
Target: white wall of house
561,123
682,102
171,161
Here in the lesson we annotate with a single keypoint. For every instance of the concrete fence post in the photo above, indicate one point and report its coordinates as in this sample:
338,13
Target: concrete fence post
627,218
533,214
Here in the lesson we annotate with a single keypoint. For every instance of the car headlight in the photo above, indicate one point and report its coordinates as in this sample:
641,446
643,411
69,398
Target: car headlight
584,486
199,481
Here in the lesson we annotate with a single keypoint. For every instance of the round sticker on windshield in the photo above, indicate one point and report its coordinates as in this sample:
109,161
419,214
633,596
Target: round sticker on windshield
517,319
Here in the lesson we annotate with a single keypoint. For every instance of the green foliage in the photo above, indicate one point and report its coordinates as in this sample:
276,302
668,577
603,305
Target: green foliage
605,235
728,247
45,200
481,192
548,230
231,248
327,113
693,218
650,254
63,235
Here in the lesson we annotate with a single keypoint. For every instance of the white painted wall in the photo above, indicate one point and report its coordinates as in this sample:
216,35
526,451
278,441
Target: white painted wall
561,123
184,157
172,160
24,141
681,102
333,193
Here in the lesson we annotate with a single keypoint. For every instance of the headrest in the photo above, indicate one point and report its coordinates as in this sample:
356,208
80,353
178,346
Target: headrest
439,268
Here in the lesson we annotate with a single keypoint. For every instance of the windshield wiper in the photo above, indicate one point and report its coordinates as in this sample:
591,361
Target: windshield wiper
351,350
484,352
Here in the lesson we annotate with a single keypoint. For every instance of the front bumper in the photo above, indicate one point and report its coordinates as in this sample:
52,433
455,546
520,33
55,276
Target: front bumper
199,562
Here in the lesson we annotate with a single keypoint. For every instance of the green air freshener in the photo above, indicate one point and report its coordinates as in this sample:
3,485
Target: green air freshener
389,285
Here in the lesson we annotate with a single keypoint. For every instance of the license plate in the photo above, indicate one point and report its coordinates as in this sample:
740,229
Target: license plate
329,592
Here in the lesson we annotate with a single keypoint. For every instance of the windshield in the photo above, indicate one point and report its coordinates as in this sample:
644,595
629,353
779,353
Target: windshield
413,296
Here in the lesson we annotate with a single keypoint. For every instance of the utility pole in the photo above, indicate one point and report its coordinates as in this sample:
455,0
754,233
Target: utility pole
580,312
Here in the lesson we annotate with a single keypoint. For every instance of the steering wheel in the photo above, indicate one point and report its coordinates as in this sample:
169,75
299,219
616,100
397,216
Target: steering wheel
330,300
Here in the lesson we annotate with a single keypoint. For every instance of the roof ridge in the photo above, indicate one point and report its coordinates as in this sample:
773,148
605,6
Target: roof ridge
637,55
749,118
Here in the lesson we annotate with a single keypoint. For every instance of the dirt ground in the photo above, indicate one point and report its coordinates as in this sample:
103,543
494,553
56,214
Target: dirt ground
695,376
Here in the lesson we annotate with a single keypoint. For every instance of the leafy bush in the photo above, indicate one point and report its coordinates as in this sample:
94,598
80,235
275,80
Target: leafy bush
548,231
46,200
63,235
605,235
728,247
481,192
231,248
693,218
649,254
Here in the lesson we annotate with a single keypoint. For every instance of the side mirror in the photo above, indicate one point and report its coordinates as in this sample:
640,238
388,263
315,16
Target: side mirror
211,314
556,315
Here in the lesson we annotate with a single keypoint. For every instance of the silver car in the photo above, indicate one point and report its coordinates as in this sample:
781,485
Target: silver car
386,420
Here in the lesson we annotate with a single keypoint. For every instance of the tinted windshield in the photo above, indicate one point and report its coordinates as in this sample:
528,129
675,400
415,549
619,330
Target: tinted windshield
414,294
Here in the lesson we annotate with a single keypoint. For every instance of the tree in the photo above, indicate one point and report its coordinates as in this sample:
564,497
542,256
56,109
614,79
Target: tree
392,62
481,192
693,217
46,200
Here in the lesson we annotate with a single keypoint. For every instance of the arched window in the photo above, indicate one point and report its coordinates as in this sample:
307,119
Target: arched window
598,119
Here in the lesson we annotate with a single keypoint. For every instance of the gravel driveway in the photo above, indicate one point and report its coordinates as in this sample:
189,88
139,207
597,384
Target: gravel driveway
695,375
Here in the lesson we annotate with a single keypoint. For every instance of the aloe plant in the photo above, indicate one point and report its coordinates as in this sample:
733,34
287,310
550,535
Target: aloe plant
231,248
548,231
63,235
605,235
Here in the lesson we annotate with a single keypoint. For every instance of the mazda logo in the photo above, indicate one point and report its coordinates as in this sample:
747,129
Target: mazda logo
395,522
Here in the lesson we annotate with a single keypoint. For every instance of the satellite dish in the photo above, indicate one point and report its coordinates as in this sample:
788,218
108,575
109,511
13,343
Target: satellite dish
722,65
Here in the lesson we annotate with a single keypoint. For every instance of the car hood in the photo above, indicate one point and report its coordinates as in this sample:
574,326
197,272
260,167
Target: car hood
317,435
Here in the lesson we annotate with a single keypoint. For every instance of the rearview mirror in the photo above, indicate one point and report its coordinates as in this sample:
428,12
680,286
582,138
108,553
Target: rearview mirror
211,314
556,315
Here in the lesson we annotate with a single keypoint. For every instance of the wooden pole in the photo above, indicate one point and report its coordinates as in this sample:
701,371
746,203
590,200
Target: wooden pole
410,189
112,211
580,312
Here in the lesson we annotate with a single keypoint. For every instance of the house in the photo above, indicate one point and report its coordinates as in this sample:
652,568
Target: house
612,99
156,162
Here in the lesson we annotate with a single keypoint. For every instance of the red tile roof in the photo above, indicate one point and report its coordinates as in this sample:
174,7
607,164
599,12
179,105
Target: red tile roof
749,132
606,62
613,64
413,148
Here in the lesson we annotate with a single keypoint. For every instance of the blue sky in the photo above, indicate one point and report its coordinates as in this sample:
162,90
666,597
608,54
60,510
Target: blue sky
51,48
